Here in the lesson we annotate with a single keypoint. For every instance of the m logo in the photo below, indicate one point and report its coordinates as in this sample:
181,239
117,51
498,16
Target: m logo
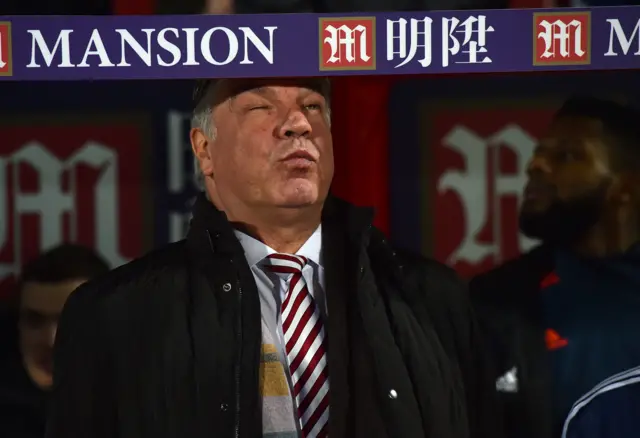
347,43
6,67
562,38
75,183
478,162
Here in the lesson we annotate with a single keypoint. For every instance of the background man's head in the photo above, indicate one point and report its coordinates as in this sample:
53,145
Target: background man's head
44,286
584,168
264,144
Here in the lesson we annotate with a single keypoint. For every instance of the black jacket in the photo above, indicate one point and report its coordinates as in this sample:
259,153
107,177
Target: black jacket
507,302
22,404
163,348
23,409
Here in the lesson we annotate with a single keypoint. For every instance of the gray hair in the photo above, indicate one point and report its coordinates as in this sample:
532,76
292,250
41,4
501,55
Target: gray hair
202,118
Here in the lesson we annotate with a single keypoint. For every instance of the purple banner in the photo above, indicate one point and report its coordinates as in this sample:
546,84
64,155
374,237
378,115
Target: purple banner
186,47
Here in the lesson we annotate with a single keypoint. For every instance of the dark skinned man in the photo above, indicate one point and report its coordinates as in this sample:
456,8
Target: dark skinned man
566,316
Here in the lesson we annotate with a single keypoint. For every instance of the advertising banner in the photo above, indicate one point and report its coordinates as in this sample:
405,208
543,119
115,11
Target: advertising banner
271,45
108,163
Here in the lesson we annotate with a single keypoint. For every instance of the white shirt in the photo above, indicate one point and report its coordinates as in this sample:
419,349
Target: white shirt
272,289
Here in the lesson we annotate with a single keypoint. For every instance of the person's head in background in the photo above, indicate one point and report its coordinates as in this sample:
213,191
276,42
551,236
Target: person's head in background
583,184
43,288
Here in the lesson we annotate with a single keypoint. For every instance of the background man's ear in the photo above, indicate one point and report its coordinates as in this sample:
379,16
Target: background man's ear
626,188
200,146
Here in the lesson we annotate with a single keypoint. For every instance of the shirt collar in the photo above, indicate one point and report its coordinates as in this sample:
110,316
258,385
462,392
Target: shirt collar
255,251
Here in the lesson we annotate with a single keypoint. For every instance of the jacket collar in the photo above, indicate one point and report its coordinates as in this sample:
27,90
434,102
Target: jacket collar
210,230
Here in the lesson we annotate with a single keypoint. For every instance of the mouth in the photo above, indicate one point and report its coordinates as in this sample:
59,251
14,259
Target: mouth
300,156
45,364
535,190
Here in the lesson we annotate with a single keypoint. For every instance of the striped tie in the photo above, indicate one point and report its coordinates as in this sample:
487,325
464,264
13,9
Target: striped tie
305,346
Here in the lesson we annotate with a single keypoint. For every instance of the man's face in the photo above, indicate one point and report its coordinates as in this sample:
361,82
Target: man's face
568,184
272,147
40,308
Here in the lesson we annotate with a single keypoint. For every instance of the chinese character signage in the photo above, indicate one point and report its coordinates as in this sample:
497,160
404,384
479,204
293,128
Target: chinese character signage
466,40
270,45
407,39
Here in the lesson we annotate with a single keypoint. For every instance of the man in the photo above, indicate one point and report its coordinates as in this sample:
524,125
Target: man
566,315
27,358
280,315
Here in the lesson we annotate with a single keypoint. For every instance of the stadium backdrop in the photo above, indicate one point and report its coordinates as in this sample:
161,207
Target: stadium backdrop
473,208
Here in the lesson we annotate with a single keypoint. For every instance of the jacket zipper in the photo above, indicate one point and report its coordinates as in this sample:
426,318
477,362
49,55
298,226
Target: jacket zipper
239,352
239,360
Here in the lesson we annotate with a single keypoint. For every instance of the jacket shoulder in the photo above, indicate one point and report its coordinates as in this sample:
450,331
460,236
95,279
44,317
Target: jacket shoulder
425,271
500,285
430,285
415,271
125,282
503,272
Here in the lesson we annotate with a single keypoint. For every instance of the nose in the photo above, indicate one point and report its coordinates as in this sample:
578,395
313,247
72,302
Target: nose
538,164
295,125
51,334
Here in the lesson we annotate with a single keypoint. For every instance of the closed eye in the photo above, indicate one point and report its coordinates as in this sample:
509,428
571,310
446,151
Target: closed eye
566,155
261,107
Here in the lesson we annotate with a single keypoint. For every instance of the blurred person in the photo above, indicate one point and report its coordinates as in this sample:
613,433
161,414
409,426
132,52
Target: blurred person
219,7
592,3
55,7
336,6
284,313
566,315
26,364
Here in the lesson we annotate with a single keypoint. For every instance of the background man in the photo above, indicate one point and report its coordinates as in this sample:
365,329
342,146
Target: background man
29,327
577,295
283,313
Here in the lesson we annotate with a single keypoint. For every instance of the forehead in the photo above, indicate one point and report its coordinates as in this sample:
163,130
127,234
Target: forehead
580,133
227,88
576,127
47,298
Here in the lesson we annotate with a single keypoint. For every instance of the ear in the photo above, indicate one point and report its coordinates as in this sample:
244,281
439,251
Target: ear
626,188
200,145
